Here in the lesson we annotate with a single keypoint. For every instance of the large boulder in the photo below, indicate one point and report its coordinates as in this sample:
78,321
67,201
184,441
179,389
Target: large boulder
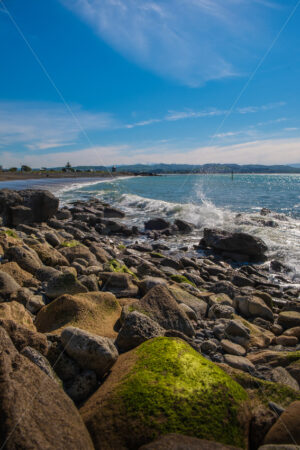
165,386
35,412
49,255
289,319
120,284
286,429
96,312
20,276
251,306
79,251
157,224
27,206
253,248
136,329
89,350
161,306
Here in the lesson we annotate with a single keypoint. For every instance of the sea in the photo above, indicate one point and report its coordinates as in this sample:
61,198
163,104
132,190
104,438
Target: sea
212,200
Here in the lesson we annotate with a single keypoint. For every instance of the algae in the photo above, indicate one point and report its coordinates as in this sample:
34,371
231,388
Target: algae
173,389
181,279
70,244
115,266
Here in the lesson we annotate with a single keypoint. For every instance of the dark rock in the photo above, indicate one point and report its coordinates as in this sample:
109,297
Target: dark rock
25,257
136,329
183,226
157,224
252,247
113,212
64,283
40,361
286,429
83,385
180,442
120,284
23,337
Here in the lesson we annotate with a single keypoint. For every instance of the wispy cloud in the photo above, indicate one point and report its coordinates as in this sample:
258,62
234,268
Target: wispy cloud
173,116
187,40
40,126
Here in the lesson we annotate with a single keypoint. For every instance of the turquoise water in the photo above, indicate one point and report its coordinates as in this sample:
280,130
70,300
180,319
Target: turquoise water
205,200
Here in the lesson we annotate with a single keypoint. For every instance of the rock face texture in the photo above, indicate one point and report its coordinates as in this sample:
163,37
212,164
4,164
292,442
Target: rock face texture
27,206
165,386
179,442
286,430
241,243
35,412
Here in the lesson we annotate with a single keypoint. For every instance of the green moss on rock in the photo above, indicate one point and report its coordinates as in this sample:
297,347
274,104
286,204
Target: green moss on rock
70,244
115,266
181,279
11,233
165,386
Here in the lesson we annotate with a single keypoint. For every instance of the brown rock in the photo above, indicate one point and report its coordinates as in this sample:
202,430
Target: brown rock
179,442
96,312
286,429
23,337
22,277
286,341
16,312
49,255
35,412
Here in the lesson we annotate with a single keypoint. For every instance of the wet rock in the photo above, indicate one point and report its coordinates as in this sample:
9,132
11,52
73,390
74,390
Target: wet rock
183,226
136,329
252,247
113,212
52,421
157,224
89,350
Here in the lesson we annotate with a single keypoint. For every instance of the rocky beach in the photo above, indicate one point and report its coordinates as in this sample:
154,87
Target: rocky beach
113,339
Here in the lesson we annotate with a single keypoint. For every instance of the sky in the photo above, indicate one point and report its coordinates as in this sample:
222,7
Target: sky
102,82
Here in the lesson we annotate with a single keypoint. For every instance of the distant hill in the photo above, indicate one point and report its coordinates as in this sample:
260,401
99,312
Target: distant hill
205,168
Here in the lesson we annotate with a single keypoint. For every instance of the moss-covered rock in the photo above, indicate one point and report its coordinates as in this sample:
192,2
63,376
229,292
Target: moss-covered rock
96,312
181,279
70,244
116,266
164,386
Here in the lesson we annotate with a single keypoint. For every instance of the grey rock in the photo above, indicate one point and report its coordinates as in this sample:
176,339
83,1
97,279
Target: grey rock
39,360
239,362
89,350
65,283
232,348
137,328
220,311
281,375
83,385
7,285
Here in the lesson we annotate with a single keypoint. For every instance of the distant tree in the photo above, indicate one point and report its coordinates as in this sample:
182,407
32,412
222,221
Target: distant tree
25,168
13,169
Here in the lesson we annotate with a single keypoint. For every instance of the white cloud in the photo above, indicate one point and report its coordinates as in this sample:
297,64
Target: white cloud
41,126
188,40
280,151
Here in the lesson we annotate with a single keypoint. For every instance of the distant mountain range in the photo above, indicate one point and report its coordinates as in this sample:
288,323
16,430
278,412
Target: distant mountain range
205,168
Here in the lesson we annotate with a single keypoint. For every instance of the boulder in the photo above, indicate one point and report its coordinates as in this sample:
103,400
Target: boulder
196,304
253,248
237,332
49,255
120,284
25,257
251,306
286,341
22,336
110,212
40,361
65,283
16,312
282,376
219,311
232,348
289,319
35,412
7,286
82,386
161,306
183,226
179,442
146,383
157,224
149,282
96,312
136,329
286,429
20,276
79,251
239,362
89,350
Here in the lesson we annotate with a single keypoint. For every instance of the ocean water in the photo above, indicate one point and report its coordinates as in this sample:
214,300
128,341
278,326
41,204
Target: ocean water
204,200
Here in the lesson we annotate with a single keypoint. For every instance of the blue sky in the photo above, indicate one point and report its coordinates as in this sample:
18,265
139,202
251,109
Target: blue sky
149,81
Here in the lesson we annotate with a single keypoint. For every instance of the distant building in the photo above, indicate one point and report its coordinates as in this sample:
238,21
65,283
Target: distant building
113,169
